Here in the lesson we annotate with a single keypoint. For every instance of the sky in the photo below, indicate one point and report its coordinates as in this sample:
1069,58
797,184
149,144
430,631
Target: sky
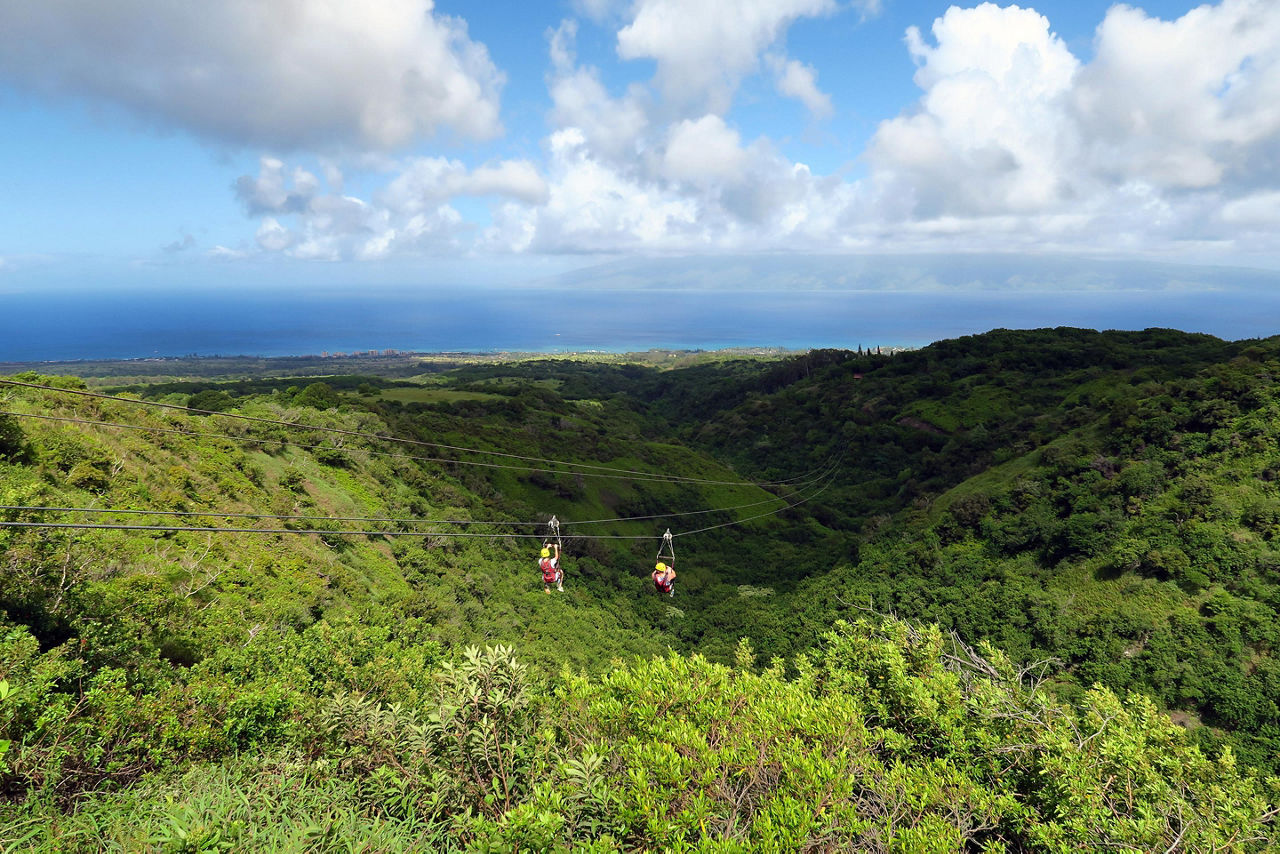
263,143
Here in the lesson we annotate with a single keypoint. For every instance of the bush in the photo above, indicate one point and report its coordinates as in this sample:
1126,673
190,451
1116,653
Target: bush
210,400
318,396
89,477
13,442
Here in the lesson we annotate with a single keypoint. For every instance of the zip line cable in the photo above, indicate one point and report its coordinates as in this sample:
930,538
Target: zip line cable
250,439
758,515
357,433
387,519
222,515
650,476
378,533
825,473
341,531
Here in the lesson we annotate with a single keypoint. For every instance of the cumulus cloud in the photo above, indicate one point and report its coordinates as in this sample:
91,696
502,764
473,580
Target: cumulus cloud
595,206
613,126
1167,139
424,181
797,80
703,151
411,214
706,192
1188,103
272,236
1256,209
704,49
271,192
628,171
285,74
989,135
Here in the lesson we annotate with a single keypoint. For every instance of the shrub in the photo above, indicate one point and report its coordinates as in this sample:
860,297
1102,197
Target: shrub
210,400
13,442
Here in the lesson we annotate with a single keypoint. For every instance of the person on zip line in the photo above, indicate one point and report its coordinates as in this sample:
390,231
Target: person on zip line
664,577
550,567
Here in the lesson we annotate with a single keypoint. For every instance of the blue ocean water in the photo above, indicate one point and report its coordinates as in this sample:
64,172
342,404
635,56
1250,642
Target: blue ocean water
40,327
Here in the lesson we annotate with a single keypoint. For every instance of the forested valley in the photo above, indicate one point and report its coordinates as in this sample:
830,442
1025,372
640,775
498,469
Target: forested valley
1014,591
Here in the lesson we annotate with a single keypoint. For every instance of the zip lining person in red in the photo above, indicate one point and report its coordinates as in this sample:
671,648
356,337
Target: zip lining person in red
550,566
664,577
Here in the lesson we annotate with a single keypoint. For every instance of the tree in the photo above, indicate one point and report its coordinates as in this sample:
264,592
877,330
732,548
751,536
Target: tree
210,400
13,442
318,396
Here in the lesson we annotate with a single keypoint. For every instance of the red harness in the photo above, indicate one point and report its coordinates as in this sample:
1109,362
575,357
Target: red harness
549,571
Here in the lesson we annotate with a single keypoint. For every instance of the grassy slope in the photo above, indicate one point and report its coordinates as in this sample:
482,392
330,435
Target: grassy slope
473,589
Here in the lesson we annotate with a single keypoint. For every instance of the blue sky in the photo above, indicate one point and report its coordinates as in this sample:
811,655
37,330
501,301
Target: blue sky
294,142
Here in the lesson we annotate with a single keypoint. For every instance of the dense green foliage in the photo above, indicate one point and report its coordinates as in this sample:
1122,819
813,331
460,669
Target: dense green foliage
886,739
1104,499
1105,503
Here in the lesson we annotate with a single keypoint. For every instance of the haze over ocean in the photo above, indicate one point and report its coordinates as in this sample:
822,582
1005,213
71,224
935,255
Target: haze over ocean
51,327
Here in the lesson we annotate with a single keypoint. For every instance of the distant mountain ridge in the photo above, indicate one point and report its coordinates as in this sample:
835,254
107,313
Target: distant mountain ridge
1020,273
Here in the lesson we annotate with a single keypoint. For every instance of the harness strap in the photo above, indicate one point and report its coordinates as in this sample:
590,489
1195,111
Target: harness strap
668,545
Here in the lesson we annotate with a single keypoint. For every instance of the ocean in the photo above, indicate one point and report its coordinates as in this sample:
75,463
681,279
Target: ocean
62,326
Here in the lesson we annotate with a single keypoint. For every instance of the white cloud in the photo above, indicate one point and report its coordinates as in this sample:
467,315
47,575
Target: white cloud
1166,141
704,49
703,151
612,126
707,192
990,134
272,236
1185,103
593,206
1015,144
424,181
284,74
226,253
797,80
271,193
629,172
518,179
1257,209
410,215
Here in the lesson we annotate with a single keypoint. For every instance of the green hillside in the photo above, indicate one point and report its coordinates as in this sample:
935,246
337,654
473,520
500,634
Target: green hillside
1101,499
1102,508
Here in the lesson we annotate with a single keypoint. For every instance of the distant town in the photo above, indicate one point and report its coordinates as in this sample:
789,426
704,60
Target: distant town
363,354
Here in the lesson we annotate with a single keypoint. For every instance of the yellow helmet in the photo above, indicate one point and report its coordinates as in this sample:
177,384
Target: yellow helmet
546,552
661,567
